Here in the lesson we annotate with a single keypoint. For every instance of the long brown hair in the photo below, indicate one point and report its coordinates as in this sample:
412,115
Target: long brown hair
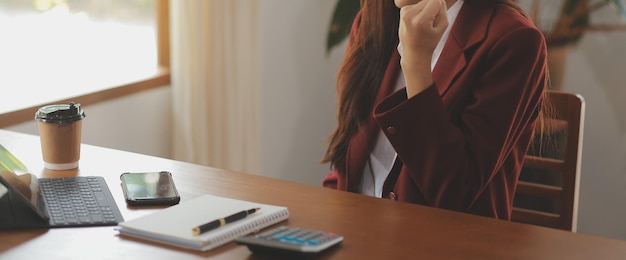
362,70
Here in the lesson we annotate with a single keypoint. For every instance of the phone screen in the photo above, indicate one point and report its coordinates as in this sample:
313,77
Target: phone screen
149,188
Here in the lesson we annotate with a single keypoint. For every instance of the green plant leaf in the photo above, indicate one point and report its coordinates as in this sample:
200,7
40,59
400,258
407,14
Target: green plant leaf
619,6
339,29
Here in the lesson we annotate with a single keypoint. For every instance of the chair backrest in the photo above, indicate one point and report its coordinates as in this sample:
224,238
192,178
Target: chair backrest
547,192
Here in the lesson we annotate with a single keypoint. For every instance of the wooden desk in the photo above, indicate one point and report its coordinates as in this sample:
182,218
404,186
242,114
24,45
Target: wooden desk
373,228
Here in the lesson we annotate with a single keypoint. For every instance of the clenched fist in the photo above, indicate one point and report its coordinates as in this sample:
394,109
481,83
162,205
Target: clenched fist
421,27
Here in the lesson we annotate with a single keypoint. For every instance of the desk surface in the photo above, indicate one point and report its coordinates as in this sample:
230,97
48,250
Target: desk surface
372,228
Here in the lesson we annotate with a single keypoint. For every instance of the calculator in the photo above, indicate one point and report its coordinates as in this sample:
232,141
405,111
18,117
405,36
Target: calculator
287,239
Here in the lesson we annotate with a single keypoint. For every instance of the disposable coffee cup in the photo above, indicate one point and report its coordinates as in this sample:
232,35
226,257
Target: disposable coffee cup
60,129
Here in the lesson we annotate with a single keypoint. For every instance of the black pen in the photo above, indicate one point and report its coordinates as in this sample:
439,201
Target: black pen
222,221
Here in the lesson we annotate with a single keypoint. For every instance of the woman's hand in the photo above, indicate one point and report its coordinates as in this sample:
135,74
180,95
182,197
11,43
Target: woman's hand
421,28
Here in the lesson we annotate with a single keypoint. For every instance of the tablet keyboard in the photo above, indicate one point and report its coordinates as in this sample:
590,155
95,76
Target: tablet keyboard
79,201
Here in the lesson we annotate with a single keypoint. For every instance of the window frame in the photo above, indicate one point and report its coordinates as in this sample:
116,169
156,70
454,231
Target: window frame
161,78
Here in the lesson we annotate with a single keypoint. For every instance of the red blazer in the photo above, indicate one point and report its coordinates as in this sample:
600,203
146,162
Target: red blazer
461,142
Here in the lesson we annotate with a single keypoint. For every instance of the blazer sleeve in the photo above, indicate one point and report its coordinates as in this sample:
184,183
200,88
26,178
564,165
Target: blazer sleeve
452,158
330,181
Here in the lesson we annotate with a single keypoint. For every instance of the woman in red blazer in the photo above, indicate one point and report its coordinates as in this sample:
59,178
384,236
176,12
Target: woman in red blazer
437,101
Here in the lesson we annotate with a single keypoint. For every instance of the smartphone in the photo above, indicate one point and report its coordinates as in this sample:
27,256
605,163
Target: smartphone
149,188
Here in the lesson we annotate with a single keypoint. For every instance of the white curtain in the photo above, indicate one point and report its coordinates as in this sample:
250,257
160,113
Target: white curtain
215,74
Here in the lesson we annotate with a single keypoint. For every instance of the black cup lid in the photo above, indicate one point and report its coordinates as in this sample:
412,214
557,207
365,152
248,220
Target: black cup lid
61,113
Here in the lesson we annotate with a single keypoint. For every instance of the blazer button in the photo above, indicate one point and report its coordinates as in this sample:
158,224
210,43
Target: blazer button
391,130
392,196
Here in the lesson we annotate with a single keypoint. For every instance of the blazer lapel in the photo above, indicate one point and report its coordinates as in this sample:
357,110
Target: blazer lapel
469,29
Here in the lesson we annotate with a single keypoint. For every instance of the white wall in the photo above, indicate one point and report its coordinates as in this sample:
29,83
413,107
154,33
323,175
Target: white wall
137,123
595,70
297,103
297,88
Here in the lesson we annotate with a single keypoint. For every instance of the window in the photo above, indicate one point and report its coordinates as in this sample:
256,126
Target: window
63,48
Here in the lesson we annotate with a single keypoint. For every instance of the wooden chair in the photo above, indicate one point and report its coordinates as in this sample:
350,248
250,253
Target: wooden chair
552,168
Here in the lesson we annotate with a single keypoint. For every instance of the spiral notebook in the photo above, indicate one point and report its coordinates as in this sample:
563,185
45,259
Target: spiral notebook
174,225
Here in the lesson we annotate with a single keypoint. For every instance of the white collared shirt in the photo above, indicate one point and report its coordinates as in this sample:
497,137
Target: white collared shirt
383,156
